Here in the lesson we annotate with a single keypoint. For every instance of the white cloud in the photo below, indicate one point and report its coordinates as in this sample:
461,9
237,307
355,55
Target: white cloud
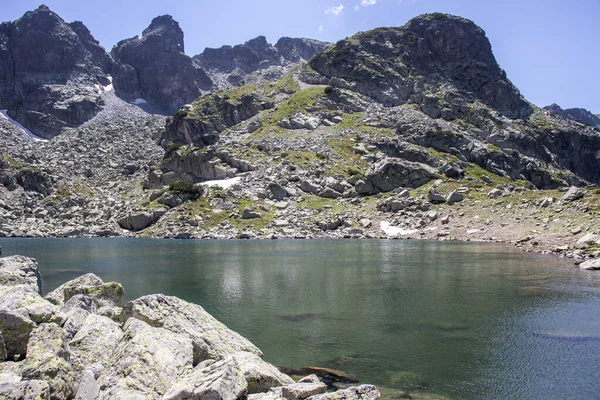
366,3
356,8
320,28
335,10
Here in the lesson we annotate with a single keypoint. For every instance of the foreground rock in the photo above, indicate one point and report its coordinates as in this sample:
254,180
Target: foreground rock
79,343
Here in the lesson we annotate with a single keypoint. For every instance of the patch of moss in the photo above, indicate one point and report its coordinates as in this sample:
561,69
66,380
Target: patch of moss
184,187
298,102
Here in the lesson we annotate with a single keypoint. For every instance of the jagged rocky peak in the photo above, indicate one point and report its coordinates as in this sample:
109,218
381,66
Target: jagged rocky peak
296,49
431,54
575,114
153,67
236,62
51,72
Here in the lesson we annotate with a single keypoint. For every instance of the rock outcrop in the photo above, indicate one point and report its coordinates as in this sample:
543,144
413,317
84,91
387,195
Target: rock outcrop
52,73
154,67
156,347
399,65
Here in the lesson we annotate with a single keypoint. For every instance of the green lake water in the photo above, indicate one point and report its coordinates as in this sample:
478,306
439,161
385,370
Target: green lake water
465,320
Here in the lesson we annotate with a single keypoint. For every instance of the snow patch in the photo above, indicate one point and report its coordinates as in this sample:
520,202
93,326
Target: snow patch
390,230
223,183
4,114
140,101
472,231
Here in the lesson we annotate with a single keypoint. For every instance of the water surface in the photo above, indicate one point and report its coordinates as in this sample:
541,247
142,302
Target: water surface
465,320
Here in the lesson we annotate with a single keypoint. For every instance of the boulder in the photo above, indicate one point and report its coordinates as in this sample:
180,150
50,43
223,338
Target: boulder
362,392
2,348
248,213
21,306
299,391
48,359
237,375
103,294
147,361
139,221
495,193
591,265
309,187
392,173
436,197
276,191
587,240
210,338
25,390
93,345
57,296
88,387
574,193
454,197
19,270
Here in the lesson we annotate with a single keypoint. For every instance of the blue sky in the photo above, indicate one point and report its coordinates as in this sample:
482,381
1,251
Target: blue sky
550,49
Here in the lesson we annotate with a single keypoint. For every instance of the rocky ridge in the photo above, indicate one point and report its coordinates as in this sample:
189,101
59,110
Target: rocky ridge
256,60
575,114
79,342
339,147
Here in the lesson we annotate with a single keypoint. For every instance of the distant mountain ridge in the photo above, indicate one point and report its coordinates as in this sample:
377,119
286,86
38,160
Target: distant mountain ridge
575,114
53,73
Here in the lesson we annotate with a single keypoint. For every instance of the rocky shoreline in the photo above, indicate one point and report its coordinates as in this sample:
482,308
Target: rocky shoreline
79,342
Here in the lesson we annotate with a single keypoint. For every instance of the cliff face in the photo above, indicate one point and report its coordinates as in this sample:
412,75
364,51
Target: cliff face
52,72
153,66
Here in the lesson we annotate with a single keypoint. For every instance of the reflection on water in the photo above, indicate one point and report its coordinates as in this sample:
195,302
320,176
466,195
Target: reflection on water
461,319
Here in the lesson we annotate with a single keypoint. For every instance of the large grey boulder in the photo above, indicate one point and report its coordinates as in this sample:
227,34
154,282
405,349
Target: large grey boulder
362,392
93,345
299,391
88,387
147,361
239,374
587,240
25,390
139,221
21,306
91,286
392,173
48,359
20,270
574,193
211,339
590,265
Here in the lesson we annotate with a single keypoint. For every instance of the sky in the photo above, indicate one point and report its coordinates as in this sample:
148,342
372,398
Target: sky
550,49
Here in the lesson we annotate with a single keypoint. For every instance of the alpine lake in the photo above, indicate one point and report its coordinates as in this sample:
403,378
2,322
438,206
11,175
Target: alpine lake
462,320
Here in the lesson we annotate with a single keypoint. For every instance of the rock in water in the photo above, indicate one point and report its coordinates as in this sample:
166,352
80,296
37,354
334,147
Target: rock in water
51,72
591,265
154,67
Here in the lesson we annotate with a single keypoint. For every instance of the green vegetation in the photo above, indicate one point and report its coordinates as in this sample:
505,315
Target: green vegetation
184,187
540,121
298,102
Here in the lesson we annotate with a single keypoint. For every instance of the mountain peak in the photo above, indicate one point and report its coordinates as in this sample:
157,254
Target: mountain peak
398,65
